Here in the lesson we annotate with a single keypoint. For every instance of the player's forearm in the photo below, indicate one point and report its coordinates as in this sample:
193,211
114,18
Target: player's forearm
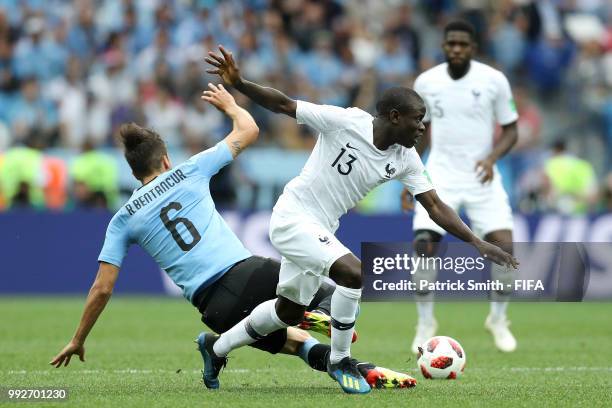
96,301
448,219
243,122
508,139
270,98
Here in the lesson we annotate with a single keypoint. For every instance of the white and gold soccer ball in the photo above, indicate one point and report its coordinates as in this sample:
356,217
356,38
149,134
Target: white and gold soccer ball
441,357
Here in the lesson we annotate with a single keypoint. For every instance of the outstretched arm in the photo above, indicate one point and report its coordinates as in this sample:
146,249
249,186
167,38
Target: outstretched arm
270,98
245,130
98,297
448,219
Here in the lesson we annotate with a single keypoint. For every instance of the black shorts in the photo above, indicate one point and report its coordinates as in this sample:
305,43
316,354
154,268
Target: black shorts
247,284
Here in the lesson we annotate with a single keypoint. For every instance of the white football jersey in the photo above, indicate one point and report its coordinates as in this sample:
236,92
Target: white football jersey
345,165
463,114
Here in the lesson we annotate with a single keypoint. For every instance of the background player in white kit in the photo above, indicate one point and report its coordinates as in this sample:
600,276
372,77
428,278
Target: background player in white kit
465,99
355,152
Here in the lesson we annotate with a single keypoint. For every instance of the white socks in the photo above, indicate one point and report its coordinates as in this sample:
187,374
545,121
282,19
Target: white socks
344,304
425,310
262,321
498,311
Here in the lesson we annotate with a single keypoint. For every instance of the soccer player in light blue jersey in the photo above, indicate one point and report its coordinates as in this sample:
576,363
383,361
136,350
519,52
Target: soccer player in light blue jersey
173,217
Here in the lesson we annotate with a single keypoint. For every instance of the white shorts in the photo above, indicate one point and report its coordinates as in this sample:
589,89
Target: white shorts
487,207
308,251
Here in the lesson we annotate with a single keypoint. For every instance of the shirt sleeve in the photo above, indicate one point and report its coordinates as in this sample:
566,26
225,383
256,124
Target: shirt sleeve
415,178
505,108
116,242
320,117
210,161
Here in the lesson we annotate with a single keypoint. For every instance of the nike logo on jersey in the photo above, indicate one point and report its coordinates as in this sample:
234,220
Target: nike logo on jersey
324,240
351,147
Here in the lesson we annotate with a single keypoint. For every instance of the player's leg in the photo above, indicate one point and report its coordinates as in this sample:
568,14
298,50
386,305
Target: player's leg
251,283
310,253
316,355
497,321
270,315
227,302
426,240
322,301
297,342
299,285
254,281
317,317
491,217
238,291
244,287
346,272
426,245
264,320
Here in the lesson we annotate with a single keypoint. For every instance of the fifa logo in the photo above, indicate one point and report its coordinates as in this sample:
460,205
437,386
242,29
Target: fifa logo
390,171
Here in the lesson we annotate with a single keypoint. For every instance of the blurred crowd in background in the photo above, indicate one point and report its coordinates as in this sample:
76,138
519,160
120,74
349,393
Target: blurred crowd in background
71,72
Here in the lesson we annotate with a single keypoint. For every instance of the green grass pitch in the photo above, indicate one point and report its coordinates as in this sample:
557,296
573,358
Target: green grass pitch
141,354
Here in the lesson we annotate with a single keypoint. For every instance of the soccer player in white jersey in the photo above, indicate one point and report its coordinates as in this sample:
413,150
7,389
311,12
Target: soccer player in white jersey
355,152
465,99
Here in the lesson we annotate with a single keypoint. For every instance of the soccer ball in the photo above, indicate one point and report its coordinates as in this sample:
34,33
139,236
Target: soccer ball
441,357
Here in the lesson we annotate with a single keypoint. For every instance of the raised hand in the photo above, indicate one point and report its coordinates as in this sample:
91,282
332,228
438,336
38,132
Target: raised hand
219,97
224,66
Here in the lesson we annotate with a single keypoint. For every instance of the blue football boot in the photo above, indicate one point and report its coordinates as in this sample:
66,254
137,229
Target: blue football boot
212,363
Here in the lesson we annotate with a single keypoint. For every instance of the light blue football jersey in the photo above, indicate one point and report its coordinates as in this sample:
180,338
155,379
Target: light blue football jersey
174,219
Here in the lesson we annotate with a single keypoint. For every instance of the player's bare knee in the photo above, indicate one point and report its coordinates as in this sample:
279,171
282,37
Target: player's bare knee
291,317
346,272
349,277
289,312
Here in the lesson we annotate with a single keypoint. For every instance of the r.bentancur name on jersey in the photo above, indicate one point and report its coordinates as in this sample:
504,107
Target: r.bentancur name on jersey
171,180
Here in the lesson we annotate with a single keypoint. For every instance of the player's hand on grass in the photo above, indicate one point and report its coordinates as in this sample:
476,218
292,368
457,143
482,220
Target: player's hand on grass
407,200
219,97
484,170
66,354
224,66
496,254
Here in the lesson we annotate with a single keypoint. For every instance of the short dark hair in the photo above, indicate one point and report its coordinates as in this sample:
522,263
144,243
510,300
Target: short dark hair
144,149
460,25
398,97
